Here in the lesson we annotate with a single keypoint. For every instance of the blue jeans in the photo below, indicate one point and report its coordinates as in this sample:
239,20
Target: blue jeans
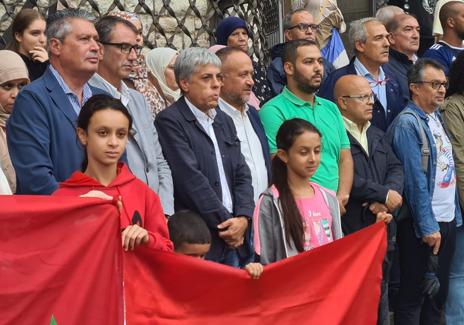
454,308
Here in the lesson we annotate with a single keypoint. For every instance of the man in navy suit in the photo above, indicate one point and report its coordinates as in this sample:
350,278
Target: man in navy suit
201,146
42,129
368,38
237,82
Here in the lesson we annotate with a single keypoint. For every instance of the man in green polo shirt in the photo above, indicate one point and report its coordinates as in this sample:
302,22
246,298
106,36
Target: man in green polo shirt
304,69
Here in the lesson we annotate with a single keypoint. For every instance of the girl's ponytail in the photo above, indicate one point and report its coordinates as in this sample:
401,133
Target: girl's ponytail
293,222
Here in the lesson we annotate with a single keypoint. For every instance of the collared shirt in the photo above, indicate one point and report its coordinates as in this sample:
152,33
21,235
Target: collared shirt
144,153
250,146
72,97
360,136
121,94
379,87
324,115
206,121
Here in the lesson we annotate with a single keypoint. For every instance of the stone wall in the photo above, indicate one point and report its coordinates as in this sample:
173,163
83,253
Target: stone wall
174,23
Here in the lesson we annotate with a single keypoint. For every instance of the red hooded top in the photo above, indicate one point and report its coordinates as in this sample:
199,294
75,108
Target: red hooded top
140,204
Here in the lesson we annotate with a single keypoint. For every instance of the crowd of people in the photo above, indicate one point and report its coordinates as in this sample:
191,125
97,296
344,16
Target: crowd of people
212,155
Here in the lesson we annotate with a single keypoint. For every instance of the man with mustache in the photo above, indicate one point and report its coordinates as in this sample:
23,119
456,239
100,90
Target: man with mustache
378,174
404,38
144,154
237,83
42,129
431,212
297,24
303,67
201,146
368,38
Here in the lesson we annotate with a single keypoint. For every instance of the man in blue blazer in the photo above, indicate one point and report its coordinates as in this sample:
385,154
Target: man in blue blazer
237,82
368,38
42,128
201,146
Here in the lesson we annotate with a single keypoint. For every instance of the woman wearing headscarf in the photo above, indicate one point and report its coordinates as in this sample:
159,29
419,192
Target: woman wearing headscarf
138,79
234,32
13,76
160,63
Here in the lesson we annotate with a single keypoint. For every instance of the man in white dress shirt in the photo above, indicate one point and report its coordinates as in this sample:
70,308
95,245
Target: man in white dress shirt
237,82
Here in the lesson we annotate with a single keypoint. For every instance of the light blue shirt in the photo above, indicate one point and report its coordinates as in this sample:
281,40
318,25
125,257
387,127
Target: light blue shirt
378,86
206,121
72,97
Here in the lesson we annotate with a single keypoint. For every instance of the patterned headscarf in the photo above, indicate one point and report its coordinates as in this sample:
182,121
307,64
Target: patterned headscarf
130,16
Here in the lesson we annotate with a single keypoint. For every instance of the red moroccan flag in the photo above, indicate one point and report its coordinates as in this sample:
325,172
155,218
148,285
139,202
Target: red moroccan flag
335,284
60,261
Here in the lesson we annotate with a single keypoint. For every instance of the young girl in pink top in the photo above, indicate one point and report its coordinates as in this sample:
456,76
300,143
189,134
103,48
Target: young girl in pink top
295,215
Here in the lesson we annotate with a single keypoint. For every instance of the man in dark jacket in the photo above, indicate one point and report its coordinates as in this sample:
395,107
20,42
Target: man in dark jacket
378,174
368,38
237,82
201,146
404,41
298,24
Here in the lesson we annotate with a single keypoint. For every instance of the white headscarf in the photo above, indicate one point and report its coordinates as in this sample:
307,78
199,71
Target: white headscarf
157,61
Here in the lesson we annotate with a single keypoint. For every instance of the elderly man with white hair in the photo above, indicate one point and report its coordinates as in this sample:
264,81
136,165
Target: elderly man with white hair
201,146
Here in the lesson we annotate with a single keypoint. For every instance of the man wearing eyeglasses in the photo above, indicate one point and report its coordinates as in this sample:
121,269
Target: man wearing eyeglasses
119,51
368,38
378,174
428,219
298,24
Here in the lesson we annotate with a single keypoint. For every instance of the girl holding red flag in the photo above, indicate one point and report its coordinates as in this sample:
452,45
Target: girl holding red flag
103,128
295,215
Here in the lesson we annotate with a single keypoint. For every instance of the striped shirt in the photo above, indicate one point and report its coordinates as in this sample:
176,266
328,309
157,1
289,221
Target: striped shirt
73,98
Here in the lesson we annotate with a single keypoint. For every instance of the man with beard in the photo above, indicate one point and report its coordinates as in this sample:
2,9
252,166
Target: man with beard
452,21
201,146
429,217
304,69
144,155
298,24
368,38
42,128
237,82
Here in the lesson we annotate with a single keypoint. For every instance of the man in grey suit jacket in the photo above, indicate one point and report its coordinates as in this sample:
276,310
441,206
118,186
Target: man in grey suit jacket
144,154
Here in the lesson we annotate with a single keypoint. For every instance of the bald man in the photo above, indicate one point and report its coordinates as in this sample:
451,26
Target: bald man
378,174
452,21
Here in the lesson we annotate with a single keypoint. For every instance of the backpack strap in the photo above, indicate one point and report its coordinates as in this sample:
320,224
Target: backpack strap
425,149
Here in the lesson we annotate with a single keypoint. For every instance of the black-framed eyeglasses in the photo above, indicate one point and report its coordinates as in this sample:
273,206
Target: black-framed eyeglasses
305,27
434,83
125,47
366,99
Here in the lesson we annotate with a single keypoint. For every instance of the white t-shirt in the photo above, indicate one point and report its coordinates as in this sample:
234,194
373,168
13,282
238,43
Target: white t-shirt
443,200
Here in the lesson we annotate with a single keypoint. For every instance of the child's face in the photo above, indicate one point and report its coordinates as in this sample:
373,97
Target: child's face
193,250
304,155
106,137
